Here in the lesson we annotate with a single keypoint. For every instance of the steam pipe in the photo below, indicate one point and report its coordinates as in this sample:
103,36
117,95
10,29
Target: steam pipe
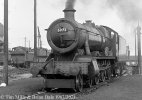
87,49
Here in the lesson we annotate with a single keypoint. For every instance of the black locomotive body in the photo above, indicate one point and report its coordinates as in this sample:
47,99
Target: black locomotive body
82,54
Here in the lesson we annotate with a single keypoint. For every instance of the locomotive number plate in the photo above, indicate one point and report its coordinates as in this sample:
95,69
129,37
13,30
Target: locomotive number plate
61,30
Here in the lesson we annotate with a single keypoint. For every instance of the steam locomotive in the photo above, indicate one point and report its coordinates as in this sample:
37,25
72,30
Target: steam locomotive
82,54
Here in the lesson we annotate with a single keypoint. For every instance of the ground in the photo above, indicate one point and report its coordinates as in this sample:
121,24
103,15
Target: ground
124,88
23,87
15,73
21,83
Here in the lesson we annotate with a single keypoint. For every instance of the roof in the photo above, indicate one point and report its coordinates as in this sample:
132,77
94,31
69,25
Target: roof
19,50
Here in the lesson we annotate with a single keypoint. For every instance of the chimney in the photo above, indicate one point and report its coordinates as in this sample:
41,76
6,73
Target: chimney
69,13
88,23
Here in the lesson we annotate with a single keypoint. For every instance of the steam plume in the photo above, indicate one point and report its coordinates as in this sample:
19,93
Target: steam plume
70,4
129,10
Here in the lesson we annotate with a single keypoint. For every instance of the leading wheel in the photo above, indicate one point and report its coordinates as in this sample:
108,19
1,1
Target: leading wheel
90,82
108,74
96,80
78,83
102,76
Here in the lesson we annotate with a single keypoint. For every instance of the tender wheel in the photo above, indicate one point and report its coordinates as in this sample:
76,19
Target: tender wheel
119,71
102,76
90,83
108,74
116,72
96,80
78,83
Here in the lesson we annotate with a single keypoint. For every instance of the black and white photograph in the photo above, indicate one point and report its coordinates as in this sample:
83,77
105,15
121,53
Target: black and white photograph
70,50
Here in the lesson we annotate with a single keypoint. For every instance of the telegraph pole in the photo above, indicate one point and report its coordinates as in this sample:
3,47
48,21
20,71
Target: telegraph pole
40,43
135,44
139,48
39,39
35,33
25,42
29,44
6,42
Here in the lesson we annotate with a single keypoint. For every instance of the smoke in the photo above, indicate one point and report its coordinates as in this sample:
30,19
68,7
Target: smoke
128,10
70,4
120,15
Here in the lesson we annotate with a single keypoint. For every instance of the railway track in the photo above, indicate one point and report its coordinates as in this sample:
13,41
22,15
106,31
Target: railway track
56,94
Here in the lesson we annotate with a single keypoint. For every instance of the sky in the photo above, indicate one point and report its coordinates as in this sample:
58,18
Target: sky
120,15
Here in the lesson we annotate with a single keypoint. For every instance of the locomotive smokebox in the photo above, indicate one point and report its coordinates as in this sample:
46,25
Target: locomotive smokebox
69,10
